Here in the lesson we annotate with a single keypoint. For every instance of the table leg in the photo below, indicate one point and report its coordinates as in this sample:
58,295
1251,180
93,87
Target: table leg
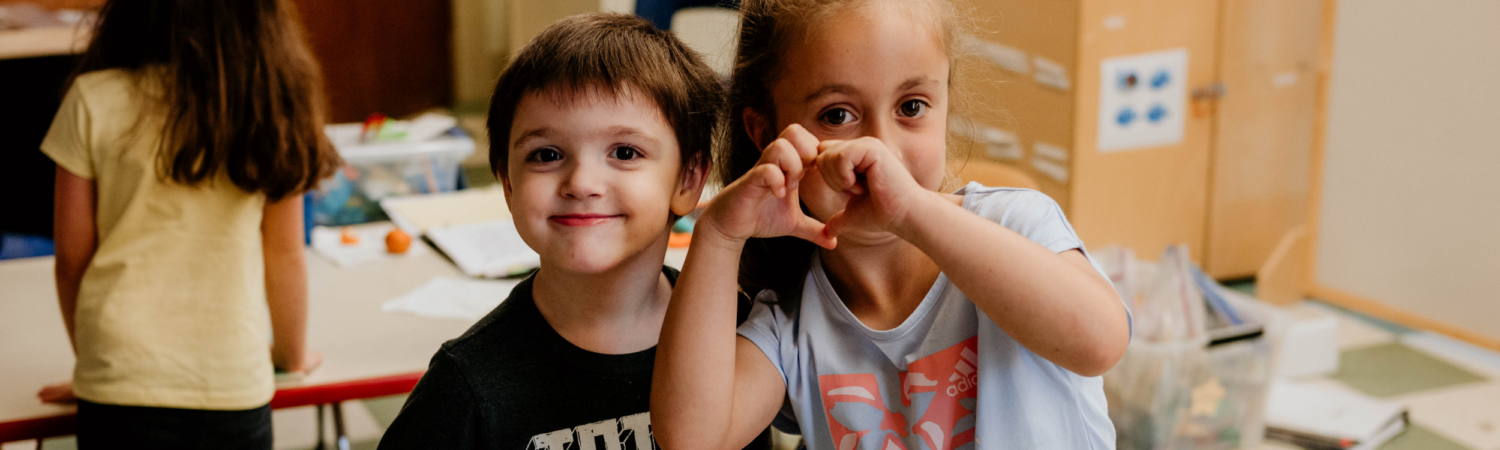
338,426
320,445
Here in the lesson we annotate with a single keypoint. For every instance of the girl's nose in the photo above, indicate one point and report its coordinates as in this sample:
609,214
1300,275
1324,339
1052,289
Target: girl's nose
880,128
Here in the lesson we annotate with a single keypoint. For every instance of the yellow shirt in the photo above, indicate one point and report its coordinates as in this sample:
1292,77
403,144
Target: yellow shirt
172,308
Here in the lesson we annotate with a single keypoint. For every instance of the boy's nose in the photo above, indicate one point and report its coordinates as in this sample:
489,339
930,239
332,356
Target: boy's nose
583,181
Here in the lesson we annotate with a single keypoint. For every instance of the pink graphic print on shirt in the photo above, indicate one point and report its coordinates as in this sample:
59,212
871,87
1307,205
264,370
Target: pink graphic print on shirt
855,406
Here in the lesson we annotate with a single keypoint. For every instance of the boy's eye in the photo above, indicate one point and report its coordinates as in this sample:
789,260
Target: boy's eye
838,116
625,153
914,108
544,155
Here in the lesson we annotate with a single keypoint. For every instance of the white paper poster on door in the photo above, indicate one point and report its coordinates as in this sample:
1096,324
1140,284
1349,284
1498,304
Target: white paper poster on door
1142,100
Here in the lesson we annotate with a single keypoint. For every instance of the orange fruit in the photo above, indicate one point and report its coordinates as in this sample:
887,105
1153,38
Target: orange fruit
397,241
348,237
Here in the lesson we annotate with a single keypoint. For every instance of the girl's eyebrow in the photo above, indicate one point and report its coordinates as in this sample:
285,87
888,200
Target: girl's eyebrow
915,81
910,83
830,89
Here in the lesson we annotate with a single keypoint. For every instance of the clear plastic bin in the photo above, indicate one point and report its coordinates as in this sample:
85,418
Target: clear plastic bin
375,171
1189,393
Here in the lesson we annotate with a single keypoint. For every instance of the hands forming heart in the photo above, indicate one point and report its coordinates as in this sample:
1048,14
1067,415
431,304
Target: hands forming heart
765,201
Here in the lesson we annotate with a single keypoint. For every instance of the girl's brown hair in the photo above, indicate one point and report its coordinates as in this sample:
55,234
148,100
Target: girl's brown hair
767,28
240,90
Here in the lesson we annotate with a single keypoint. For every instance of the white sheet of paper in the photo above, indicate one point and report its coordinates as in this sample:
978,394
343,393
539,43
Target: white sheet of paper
452,298
1310,408
486,250
328,243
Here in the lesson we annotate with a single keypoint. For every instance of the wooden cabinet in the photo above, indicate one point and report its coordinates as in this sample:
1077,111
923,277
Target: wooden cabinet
1234,180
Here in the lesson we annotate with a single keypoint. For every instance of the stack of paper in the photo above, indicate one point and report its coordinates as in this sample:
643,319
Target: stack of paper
1324,417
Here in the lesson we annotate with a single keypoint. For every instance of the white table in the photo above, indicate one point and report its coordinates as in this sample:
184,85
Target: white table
366,352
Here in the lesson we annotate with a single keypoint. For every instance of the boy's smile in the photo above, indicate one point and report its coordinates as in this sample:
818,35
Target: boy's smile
583,220
593,178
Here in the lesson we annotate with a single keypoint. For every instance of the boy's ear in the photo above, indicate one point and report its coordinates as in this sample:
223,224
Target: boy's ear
756,126
505,186
689,189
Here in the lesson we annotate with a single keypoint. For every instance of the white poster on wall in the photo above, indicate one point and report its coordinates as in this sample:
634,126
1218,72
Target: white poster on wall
1142,100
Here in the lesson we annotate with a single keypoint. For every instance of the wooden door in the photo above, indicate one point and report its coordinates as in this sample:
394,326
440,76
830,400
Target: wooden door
1147,198
1268,56
393,57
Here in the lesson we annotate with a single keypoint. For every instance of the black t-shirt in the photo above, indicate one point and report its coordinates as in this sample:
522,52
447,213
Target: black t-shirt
512,382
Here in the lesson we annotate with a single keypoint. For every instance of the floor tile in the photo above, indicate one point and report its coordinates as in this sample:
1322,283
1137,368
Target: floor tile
295,428
1394,369
1480,360
385,409
1468,414
1417,437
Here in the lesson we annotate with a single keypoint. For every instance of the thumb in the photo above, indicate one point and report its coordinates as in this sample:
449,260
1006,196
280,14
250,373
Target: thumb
812,230
836,224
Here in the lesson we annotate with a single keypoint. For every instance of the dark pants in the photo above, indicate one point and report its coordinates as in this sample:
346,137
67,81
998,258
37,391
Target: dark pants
114,426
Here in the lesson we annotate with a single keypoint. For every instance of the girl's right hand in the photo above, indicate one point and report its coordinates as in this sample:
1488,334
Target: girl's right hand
764,202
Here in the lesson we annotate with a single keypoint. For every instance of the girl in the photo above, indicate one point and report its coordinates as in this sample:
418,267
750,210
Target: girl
925,320
183,147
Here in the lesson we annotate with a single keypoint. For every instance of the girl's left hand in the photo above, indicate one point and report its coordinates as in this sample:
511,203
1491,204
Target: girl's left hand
880,189
57,393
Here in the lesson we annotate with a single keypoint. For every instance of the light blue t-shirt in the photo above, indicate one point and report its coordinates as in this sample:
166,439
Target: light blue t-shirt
946,378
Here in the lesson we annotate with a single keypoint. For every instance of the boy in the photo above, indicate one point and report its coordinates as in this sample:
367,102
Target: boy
600,132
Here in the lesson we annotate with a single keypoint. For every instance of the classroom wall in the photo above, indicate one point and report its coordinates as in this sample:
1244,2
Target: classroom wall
481,47
1410,214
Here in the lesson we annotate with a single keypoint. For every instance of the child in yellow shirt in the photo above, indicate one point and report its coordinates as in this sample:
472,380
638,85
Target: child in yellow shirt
183,147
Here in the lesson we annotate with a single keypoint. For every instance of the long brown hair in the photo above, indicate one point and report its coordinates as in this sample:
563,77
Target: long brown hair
240,90
767,27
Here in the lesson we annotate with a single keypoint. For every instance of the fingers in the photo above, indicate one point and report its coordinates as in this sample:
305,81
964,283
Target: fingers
802,141
784,156
770,178
835,225
811,230
57,393
841,163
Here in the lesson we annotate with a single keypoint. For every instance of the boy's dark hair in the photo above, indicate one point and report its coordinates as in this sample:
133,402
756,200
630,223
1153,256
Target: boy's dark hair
240,89
602,53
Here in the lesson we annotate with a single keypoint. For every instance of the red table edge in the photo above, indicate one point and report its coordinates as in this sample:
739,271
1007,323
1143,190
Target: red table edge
290,397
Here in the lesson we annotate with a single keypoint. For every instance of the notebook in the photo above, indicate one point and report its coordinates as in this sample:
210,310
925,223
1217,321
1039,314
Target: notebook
1324,417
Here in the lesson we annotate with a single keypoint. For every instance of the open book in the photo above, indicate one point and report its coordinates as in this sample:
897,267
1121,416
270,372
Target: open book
473,228
490,249
1321,417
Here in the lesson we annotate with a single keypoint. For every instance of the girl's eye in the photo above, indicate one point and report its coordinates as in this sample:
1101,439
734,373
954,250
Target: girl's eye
838,116
545,155
914,108
625,153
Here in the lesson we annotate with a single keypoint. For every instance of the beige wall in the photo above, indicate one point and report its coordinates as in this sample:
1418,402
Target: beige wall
481,42
1410,214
